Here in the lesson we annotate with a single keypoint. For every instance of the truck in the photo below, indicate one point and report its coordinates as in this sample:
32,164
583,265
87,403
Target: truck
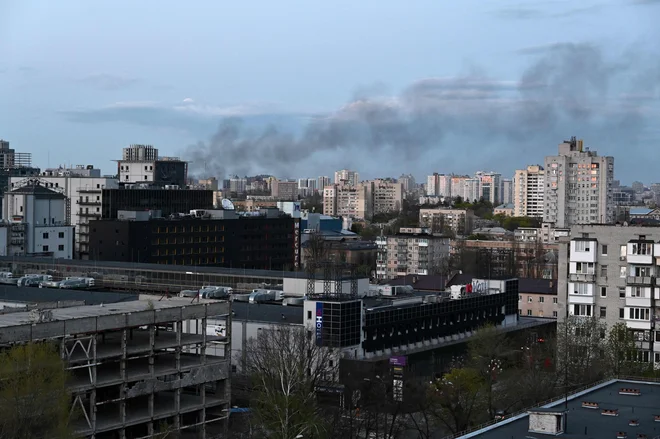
33,280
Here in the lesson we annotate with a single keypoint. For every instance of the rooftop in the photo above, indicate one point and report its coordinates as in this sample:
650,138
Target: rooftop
265,312
81,312
590,423
34,188
13,293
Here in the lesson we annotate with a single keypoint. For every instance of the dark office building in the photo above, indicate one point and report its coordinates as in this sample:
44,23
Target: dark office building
256,242
168,201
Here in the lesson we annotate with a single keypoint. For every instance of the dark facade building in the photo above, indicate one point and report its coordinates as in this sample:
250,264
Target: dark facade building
255,242
168,201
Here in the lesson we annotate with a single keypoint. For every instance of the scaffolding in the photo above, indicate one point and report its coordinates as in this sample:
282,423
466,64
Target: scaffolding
333,277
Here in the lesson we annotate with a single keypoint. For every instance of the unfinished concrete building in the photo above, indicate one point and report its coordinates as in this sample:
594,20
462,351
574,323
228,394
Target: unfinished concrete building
137,368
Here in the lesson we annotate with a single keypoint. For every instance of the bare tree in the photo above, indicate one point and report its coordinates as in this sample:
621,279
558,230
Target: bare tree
316,250
581,350
34,401
286,366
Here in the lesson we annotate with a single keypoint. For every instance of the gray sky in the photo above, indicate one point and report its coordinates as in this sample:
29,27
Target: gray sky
300,88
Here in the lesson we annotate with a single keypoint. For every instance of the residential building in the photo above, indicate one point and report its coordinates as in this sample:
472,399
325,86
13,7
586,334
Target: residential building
167,201
528,190
538,298
238,185
36,222
416,251
220,238
610,272
471,189
209,183
284,190
82,185
386,196
141,164
432,185
459,221
578,186
504,209
439,185
351,178
348,200
507,191
490,186
407,182
458,185
642,213
322,182
136,365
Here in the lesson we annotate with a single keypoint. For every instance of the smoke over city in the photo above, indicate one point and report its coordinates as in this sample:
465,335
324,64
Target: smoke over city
568,89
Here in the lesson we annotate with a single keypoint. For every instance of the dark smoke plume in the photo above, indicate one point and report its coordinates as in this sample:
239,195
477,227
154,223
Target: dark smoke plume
569,89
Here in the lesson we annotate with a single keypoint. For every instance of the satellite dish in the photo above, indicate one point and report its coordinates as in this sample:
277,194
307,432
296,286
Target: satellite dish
227,204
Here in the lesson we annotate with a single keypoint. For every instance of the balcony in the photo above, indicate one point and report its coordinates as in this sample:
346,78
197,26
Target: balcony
89,203
90,190
638,324
583,250
639,280
581,299
638,302
582,277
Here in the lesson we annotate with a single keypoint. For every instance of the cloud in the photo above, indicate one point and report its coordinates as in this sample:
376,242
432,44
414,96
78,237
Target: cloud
105,81
567,89
538,11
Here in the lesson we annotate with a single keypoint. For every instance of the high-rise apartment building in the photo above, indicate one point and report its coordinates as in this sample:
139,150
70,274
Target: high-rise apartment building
471,189
412,251
507,191
490,186
432,185
438,220
444,185
458,185
610,272
347,200
284,190
578,186
322,182
387,195
528,191
407,182
347,177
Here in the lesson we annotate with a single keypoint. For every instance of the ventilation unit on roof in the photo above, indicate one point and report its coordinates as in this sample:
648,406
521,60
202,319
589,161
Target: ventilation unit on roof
547,421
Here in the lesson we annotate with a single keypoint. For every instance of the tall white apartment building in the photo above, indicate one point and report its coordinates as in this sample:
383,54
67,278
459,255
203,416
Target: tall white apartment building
528,191
471,189
611,272
490,186
432,185
82,186
347,177
347,200
578,186
407,182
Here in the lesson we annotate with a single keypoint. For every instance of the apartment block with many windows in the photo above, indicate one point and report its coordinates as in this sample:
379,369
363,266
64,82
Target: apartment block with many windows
610,272
528,187
411,251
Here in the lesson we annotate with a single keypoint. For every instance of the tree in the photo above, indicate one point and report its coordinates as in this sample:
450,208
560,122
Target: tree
621,350
490,353
316,249
457,397
581,350
34,400
286,366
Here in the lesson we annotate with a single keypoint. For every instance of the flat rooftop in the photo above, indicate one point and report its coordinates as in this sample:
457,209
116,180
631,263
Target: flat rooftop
266,312
587,423
86,311
29,295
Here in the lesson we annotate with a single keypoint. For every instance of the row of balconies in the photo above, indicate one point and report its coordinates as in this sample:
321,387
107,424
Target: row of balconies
641,252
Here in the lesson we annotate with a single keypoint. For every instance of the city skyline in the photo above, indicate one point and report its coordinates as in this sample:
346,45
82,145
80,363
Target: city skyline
494,101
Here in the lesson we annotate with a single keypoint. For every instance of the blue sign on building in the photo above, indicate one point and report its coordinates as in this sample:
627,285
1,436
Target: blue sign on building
319,323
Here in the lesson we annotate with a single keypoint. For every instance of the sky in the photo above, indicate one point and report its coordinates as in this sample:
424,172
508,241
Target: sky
301,89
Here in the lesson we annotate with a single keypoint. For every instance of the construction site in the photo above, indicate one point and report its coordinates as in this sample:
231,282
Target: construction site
137,368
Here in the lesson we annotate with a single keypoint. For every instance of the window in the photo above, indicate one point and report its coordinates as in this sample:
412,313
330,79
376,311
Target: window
582,246
519,298
529,312
603,271
554,300
603,291
623,272
641,248
623,252
639,314
622,313
642,271
582,310
636,292
60,235
529,299
603,250
45,248
603,312
541,299
309,315
45,235
554,313
60,247
580,288
584,267
519,311
622,292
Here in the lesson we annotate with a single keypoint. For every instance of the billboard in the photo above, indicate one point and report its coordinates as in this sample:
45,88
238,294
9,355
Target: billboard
398,361
319,323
